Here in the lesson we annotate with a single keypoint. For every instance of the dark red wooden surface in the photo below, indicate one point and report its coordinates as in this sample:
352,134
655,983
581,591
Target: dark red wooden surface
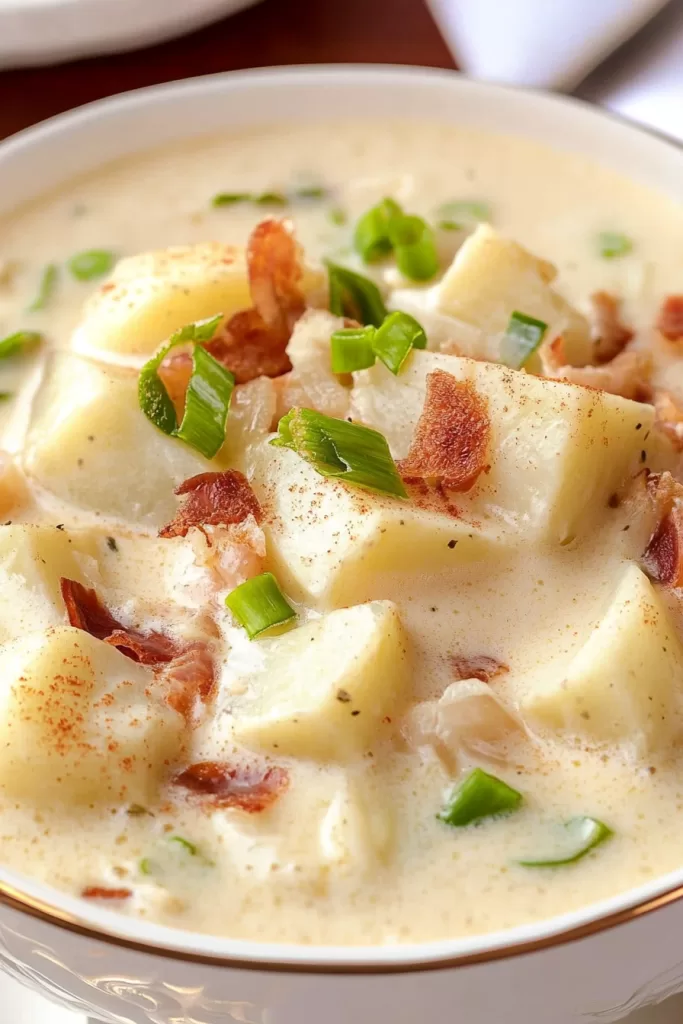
272,32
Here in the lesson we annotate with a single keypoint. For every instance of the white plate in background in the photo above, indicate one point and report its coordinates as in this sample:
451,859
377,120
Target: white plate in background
47,31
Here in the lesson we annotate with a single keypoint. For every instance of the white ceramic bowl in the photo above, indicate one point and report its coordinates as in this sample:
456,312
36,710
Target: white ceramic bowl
592,965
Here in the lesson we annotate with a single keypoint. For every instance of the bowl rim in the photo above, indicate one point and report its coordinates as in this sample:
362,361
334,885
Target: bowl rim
22,895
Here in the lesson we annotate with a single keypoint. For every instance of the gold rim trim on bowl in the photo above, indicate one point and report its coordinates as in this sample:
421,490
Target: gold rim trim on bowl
15,900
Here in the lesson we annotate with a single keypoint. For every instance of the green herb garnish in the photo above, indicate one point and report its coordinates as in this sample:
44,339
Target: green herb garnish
371,238
5,396
259,605
580,836
344,451
464,211
479,796
414,247
338,216
394,340
355,296
522,337
271,199
351,349
230,198
93,263
46,287
311,192
449,225
611,245
18,342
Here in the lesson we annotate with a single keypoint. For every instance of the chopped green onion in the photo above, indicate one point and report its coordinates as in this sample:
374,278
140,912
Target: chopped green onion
5,396
85,266
146,867
469,211
449,225
355,296
414,247
372,236
137,810
479,796
523,336
259,605
346,451
185,844
352,349
46,287
399,333
581,835
311,192
338,216
612,245
208,393
271,199
17,342
230,198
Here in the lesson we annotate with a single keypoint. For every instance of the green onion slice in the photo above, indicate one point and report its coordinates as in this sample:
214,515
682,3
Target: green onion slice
208,394
414,247
611,245
479,796
346,451
259,605
311,192
580,836
464,211
523,336
18,342
399,333
46,287
184,844
6,395
371,238
355,296
351,349
338,216
449,225
230,198
86,266
271,199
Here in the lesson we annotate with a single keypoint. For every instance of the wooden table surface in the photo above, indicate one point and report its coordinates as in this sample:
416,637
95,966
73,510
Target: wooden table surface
272,32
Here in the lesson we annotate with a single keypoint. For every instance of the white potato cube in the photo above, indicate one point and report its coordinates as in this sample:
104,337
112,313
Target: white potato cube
327,540
625,685
91,445
358,830
322,690
81,723
32,560
557,450
491,277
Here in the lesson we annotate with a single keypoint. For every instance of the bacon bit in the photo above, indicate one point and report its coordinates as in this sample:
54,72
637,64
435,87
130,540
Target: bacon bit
663,558
100,892
628,374
274,264
610,335
191,681
669,417
175,373
452,435
481,666
670,320
248,347
250,788
85,611
213,499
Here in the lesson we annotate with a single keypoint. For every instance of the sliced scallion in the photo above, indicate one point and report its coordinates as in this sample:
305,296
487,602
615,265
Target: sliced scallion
184,844
580,836
414,247
5,396
464,211
208,395
522,337
230,198
93,263
338,216
478,796
259,605
351,349
310,192
346,451
449,225
371,238
392,342
612,244
271,199
355,296
18,342
46,287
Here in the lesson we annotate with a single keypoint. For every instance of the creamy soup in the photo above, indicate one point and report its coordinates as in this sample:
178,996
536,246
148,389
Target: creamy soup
394,651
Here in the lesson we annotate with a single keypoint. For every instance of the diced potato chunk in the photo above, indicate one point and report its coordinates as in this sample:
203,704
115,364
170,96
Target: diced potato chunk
557,451
91,445
32,559
327,540
80,722
151,295
321,690
491,277
358,832
625,685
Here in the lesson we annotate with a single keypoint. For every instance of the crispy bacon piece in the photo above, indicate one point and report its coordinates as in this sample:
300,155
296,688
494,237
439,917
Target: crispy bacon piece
213,499
628,374
175,373
480,666
669,417
663,558
248,347
274,264
191,681
250,788
670,319
86,611
452,435
101,892
610,335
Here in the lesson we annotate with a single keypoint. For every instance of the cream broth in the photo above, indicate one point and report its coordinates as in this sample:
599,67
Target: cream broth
540,579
